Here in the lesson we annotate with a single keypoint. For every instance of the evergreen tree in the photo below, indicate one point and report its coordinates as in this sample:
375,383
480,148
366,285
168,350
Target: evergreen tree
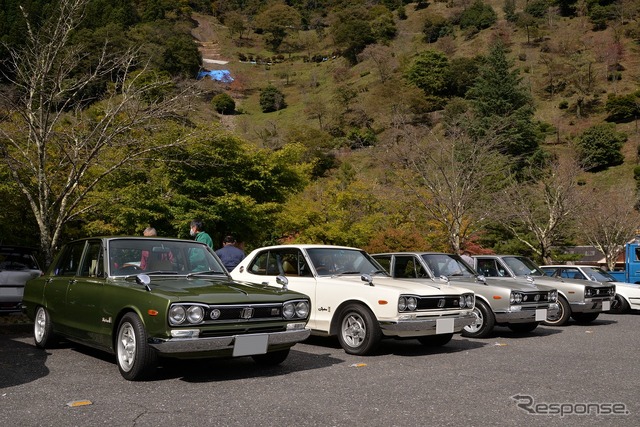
501,103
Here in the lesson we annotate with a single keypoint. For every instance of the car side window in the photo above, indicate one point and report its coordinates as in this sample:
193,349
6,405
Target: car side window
488,268
265,264
92,263
385,262
405,267
70,260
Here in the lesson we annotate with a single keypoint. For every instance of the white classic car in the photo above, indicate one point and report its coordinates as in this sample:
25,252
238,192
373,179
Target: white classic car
354,298
627,294
520,306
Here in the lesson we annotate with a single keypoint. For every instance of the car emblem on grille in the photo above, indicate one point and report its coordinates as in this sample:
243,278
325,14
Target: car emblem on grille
247,313
441,303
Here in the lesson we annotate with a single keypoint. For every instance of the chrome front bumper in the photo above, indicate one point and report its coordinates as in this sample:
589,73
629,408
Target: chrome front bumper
591,305
424,326
176,346
523,314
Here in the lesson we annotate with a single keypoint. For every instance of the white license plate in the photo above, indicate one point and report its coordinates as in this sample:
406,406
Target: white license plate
606,305
246,345
444,326
541,314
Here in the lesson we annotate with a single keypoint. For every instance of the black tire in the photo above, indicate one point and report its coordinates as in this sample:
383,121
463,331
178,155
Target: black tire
485,323
136,359
272,358
619,305
523,328
584,318
435,340
359,331
43,335
563,315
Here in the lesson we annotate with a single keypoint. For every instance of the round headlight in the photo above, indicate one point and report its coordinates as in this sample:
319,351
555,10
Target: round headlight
588,292
302,309
402,304
463,301
469,300
215,313
195,314
288,310
612,291
177,314
518,297
412,303
512,298
553,296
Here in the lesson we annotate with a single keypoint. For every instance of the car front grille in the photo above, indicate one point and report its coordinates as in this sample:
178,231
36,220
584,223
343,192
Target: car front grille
535,297
243,313
438,302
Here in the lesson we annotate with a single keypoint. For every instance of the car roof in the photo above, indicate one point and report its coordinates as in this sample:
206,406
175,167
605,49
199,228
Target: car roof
308,246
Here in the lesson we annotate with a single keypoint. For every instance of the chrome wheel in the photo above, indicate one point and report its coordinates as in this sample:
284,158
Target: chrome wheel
40,323
477,325
126,347
359,332
43,335
354,330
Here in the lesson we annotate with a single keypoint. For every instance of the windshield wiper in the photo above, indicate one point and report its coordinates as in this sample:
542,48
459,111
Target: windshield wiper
160,272
206,272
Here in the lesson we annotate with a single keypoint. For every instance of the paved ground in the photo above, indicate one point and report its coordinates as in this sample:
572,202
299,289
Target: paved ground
468,382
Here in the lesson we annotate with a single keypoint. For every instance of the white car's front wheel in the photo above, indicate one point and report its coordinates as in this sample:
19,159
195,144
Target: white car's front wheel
359,331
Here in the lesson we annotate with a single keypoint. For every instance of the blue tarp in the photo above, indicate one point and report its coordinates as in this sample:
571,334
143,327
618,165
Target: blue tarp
223,76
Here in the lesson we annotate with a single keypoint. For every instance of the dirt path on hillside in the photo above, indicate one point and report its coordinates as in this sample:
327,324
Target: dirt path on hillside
205,35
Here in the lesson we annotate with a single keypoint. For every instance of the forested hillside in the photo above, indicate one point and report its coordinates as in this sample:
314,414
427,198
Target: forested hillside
487,125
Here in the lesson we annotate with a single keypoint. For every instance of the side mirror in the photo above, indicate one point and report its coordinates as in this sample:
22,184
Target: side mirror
283,281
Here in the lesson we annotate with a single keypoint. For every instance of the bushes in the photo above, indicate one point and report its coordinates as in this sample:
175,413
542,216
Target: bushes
271,99
223,103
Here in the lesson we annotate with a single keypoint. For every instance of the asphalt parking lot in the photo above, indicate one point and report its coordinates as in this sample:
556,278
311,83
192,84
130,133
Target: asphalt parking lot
573,375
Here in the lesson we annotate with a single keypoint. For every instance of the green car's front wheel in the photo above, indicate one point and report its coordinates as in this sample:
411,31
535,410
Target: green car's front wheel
136,360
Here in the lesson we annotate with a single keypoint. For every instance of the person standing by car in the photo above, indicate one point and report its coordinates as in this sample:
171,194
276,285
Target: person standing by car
229,253
197,231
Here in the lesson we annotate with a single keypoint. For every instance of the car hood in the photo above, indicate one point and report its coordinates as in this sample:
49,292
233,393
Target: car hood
553,281
217,290
519,284
419,287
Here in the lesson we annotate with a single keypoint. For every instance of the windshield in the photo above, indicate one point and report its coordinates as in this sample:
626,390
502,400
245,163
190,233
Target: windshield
448,265
598,274
523,266
156,256
16,260
330,261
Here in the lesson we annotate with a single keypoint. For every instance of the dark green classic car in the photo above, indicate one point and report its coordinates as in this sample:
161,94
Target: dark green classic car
144,297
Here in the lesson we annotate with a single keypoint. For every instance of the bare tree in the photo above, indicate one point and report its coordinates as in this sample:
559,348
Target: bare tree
608,220
57,142
541,208
451,177
382,58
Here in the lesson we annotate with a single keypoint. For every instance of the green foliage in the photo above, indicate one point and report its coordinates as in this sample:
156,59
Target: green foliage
478,15
509,9
429,71
436,26
599,147
537,8
504,106
223,103
181,56
276,22
352,32
623,108
272,99
383,28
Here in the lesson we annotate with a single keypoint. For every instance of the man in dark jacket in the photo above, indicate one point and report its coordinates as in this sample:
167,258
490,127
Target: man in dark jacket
229,253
